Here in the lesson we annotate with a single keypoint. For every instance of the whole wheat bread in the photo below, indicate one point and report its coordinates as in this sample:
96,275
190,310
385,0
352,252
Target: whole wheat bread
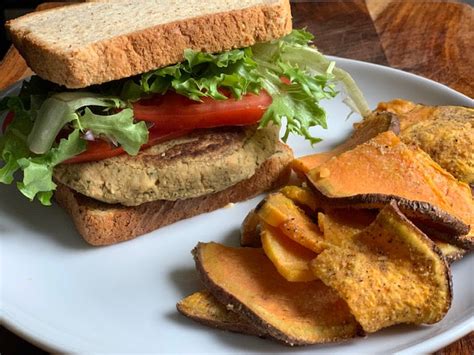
103,224
96,42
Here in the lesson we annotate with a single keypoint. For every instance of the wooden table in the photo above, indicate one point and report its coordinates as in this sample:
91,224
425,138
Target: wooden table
430,38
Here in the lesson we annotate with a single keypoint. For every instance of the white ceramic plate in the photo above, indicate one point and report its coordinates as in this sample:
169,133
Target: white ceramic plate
65,295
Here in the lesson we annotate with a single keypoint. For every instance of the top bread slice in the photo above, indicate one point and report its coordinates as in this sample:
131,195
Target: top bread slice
96,42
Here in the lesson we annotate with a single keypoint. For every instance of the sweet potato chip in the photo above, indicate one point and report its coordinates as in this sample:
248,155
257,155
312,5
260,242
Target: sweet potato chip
369,128
203,307
340,225
391,274
250,231
290,258
383,169
301,196
464,241
296,313
281,212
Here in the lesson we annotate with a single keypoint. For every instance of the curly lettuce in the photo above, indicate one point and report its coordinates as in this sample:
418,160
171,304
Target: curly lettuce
200,75
296,50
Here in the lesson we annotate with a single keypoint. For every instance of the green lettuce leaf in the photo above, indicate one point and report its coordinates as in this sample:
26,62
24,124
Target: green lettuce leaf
63,108
297,102
296,50
200,75
38,170
13,145
119,127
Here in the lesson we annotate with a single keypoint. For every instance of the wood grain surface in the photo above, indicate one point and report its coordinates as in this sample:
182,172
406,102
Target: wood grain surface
342,28
434,39
13,67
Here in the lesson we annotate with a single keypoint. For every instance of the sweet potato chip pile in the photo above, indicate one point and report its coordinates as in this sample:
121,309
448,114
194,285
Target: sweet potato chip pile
364,246
383,169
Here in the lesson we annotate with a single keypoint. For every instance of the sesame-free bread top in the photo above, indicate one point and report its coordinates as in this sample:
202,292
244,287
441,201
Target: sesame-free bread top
96,42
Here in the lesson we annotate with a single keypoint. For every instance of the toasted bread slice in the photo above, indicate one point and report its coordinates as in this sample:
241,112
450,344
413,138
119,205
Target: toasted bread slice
67,46
103,224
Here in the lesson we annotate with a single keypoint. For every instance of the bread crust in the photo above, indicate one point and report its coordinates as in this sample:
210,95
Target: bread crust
138,52
103,224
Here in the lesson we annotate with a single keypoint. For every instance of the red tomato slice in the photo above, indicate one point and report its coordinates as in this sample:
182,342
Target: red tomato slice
177,112
8,119
285,80
99,149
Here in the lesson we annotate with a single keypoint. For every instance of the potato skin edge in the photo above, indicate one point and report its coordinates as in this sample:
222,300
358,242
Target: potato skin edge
229,327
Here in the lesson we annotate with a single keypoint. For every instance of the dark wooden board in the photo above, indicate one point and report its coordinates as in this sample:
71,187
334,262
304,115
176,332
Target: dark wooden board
434,39
342,28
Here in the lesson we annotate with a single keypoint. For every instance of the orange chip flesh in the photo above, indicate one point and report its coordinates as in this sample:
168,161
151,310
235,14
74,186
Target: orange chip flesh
290,258
391,274
383,169
302,196
339,226
250,229
203,307
281,212
296,313
370,127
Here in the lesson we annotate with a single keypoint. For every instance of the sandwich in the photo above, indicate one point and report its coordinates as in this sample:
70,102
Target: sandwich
143,113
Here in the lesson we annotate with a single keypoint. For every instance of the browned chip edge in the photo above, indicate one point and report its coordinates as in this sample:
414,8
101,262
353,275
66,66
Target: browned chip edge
241,328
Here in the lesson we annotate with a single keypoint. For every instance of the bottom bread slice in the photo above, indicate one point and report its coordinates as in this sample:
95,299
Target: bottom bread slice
100,223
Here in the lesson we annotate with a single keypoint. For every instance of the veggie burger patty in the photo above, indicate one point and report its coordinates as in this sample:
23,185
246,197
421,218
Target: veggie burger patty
203,162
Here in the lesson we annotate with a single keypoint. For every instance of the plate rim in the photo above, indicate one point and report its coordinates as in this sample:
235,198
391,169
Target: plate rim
444,338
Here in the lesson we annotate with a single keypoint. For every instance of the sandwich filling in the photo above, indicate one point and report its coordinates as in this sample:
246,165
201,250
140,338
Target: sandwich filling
49,129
